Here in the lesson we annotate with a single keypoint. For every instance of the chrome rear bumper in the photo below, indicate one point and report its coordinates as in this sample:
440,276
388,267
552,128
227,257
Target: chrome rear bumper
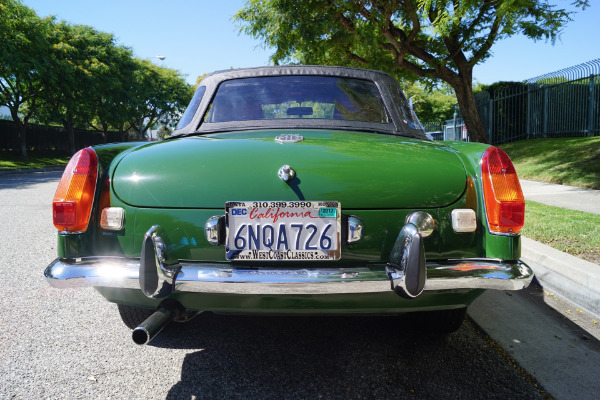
229,278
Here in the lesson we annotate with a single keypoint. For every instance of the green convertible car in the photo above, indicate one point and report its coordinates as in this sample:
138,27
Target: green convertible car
291,190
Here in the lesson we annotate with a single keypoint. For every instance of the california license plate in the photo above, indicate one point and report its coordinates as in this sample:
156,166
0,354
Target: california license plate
283,230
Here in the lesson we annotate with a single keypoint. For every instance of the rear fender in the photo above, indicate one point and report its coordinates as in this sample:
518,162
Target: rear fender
503,247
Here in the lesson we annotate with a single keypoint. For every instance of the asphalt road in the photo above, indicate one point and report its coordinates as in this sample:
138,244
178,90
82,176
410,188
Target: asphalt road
71,343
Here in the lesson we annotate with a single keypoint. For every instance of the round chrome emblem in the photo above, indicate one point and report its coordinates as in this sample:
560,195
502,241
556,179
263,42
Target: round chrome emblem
286,173
289,138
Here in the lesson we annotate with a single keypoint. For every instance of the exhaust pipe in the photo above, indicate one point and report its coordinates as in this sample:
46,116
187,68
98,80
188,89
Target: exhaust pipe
152,326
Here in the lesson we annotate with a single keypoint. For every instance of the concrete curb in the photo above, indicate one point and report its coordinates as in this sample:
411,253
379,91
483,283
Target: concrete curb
570,277
29,171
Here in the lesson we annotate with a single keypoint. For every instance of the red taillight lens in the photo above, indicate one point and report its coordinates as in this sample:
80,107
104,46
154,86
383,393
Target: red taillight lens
504,202
74,196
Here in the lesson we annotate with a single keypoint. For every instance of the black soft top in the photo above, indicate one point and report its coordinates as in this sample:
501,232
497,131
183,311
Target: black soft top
402,119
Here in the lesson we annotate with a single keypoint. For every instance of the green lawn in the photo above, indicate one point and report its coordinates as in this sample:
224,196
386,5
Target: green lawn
566,161
10,161
574,232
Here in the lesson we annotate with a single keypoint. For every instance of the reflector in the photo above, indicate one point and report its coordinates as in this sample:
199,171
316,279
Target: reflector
112,218
74,196
504,202
464,220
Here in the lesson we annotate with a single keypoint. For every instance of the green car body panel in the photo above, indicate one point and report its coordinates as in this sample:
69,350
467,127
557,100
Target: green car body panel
360,170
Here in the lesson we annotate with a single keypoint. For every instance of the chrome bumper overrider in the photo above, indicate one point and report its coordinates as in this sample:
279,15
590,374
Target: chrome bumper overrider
240,279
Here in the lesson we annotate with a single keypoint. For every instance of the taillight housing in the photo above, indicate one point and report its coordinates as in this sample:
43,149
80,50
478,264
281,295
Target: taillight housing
74,197
504,202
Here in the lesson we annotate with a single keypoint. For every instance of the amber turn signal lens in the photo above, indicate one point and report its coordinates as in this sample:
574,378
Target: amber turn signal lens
504,202
72,205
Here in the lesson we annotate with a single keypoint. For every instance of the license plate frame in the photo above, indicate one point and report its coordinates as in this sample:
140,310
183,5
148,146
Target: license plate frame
311,230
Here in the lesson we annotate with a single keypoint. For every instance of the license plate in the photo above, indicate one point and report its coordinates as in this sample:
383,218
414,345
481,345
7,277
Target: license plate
283,230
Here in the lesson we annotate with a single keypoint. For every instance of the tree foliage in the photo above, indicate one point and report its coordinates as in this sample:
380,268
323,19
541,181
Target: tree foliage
24,55
432,104
160,96
429,39
76,76
81,60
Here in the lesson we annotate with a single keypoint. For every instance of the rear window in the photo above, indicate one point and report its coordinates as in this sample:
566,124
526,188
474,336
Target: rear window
188,115
297,97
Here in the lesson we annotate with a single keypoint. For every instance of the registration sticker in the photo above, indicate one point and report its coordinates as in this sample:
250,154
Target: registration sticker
327,212
283,230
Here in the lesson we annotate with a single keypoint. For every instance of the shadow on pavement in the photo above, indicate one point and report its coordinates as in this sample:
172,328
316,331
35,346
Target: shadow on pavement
337,357
568,315
22,181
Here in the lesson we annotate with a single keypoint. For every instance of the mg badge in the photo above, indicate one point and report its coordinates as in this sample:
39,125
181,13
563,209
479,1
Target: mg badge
289,138
286,173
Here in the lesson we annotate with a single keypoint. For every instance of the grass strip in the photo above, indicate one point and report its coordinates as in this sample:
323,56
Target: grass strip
11,161
566,161
570,231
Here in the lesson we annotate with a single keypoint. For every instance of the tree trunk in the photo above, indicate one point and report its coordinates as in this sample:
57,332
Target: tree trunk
104,133
68,124
140,126
22,126
23,139
468,109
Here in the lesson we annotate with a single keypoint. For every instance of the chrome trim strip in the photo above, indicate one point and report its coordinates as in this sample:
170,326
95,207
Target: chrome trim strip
239,279
108,272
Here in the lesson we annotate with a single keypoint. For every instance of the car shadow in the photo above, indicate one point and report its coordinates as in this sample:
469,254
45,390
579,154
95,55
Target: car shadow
23,180
572,320
336,357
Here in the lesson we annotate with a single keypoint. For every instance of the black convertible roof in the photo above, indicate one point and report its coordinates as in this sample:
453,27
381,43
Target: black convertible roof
389,88
280,70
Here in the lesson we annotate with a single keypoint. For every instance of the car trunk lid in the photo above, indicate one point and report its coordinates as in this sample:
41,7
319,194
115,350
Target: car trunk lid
361,170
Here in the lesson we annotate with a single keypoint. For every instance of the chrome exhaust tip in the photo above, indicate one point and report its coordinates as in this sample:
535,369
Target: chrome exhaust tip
152,326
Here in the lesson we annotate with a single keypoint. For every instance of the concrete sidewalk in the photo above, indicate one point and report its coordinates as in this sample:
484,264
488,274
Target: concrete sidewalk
571,197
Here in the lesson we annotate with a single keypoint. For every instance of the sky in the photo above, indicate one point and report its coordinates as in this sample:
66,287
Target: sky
200,36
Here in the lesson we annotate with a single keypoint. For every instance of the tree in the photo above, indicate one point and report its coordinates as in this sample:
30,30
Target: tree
163,132
24,54
112,91
432,104
429,39
81,60
160,95
76,76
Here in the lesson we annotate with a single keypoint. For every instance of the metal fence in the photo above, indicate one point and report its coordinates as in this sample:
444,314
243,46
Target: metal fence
565,103
435,130
51,139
